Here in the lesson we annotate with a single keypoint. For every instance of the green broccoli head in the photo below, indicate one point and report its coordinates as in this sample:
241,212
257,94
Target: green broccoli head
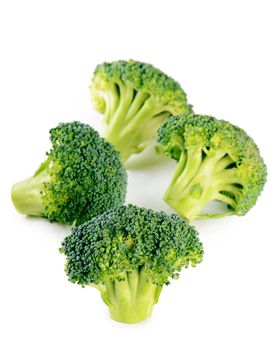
216,161
82,177
135,98
128,254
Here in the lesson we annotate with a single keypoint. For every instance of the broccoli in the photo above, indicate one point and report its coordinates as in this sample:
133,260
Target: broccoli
216,161
128,254
135,98
82,177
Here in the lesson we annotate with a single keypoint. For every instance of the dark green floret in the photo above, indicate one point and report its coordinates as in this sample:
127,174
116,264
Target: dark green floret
82,177
216,161
128,254
135,99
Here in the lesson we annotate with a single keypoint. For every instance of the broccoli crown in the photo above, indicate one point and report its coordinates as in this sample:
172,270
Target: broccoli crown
144,77
233,151
87,176
82,177
130,238
135,99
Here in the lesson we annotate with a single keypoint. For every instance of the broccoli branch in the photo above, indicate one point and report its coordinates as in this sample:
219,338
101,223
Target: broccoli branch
132,118
200,179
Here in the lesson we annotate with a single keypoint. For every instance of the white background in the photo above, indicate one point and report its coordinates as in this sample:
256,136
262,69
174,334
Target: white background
225,54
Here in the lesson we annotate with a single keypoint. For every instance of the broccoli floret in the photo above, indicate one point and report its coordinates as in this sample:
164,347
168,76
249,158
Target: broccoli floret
128,254
135,99
216,161
82,177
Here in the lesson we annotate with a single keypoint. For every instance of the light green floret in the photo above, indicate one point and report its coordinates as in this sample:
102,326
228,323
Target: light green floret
216,161
128,254
135,99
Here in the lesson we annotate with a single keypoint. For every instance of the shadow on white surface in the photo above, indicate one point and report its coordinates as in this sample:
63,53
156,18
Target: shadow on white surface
147,159
52,229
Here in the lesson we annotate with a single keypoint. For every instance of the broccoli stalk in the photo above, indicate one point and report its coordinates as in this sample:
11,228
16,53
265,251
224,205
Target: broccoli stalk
27,194
132,126
130,299
217,161
129,254
135,99
198,181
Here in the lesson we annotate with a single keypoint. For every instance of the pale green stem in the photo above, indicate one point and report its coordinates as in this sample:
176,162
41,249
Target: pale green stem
199,183
112,99
133,125
225,199
136,104
116,120
223,163
194,159
130,299
27,194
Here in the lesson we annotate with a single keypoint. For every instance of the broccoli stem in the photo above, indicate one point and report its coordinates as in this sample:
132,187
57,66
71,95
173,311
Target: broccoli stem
27,194
130,299
198,181
133,121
